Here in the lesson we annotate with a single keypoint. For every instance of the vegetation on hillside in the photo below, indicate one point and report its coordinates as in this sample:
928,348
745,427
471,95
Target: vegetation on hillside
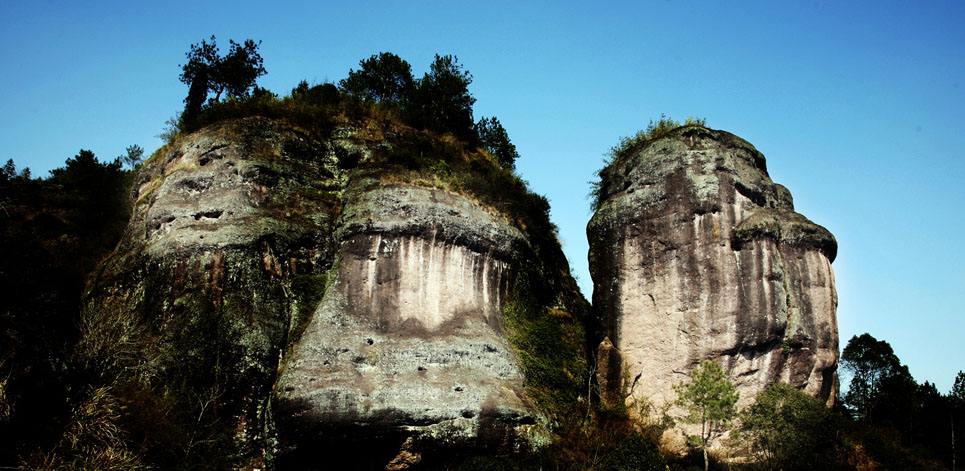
655,130
383,88
710,400
53,232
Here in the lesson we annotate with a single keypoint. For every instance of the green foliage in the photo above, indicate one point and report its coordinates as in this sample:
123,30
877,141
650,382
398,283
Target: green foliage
900,423
325,94
383,78
787,429
133,156
710,400
442,101
872,365
206,71
91,187
958,389
383,88
549,345
494,138
310,108
9,171
634,452
655,130
597,440
53,232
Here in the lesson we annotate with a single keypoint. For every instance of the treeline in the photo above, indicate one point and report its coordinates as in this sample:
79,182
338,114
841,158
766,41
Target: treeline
885,420
224,87
53,232
899,422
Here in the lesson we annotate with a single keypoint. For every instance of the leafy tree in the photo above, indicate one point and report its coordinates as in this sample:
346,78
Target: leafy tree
323,94
957,414
207,71
9,171
958,389
495,139
90,190
871,363
787,429
198,74
443,102
238,71
383,78
53,231
710,400
133,156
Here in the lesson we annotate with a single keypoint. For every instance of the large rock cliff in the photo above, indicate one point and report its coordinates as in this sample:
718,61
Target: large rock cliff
696,254
362,293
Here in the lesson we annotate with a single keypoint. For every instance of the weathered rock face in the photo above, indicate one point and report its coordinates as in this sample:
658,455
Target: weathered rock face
696,254
408,341
295,299
226,248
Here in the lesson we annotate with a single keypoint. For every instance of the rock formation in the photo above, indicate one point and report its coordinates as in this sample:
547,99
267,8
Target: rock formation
408,339
696,254
300,298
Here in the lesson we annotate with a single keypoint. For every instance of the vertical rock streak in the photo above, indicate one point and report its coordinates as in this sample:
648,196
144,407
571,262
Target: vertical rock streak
701,256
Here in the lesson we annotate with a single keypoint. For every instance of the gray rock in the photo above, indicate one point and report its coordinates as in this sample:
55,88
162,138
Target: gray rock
289,305
408,340
696,254
226,238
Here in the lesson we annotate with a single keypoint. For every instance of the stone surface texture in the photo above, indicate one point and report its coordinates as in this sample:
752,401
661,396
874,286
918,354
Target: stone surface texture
408,339
303,301
227,236
696,254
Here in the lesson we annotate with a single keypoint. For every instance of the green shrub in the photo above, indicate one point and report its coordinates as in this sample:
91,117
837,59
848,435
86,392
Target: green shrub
658,129
787,429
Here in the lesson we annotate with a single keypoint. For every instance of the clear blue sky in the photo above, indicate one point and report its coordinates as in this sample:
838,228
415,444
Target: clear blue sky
858,106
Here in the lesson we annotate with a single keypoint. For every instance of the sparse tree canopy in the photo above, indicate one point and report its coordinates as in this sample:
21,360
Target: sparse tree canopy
207,71
495,139
710,400
133,156
9,171
958,389
383,78
239,70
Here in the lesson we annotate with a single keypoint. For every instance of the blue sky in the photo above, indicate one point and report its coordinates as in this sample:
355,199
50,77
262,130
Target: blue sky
858,106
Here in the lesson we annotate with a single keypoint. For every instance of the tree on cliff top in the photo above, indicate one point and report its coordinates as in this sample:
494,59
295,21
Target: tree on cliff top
442,99
710,400
495,139
207,71
383,78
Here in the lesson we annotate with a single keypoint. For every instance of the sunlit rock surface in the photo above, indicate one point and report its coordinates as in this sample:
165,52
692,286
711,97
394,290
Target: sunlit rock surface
358,295
408,339
193,307
696,254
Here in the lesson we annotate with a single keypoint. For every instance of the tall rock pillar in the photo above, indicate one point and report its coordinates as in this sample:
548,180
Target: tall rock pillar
696,254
